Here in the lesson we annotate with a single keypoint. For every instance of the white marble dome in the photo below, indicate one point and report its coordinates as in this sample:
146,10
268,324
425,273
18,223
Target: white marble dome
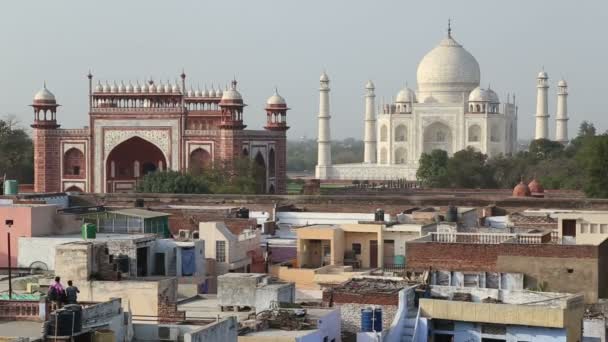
44,95
542,74
276,99
479,95
562,83
405,95
231,93
448,68
493,96
370,85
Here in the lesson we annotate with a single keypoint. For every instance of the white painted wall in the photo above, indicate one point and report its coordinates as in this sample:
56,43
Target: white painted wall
306,218
32,249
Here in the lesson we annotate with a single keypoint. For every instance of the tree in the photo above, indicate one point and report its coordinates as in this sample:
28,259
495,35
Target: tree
432,170
468,169
16,152
593,157
545,148
586,129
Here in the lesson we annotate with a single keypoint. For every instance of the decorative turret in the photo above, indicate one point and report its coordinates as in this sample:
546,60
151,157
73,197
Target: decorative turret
542,106
276,113
232,106
45,110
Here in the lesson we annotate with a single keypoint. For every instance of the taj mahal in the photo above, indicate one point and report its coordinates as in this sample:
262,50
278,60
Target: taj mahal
448,111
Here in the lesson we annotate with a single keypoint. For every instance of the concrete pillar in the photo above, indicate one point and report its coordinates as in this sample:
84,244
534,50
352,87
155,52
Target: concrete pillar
542,106
370,124
324,136
561,115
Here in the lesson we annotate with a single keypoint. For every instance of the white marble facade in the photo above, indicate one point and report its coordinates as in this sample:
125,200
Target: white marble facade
449,111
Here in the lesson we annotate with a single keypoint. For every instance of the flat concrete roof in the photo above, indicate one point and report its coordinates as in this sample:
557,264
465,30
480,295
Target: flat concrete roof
33,330
100,237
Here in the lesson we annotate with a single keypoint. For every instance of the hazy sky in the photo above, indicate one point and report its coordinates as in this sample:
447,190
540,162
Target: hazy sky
289,43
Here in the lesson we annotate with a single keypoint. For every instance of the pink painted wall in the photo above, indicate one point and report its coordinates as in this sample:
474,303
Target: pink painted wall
28,221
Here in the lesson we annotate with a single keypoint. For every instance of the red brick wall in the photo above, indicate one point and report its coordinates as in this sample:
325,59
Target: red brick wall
483,257
47,168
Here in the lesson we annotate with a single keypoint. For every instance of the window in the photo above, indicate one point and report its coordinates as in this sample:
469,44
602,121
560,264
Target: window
76,170
584,228
604,228
220,251
357,248
593,228
494,329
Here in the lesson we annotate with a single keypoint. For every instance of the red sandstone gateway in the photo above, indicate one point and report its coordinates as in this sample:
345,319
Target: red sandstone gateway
140,128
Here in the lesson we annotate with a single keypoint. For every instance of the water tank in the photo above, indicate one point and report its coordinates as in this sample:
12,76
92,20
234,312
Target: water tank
399,260
452,214
89,231
11,187
242,213
66,321
379,215
377,319
104,335
367,324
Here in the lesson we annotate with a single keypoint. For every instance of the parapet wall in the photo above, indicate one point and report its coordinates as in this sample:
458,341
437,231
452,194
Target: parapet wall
347,203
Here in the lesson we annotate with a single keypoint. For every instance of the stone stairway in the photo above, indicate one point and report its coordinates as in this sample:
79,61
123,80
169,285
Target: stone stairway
409,323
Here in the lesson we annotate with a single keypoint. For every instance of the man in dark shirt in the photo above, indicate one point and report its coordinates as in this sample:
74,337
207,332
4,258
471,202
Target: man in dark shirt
71,293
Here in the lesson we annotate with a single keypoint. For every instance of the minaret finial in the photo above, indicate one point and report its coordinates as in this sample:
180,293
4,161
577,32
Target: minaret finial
449,28
44,84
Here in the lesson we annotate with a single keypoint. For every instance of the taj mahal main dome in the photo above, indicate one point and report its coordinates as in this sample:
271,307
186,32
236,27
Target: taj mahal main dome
447,71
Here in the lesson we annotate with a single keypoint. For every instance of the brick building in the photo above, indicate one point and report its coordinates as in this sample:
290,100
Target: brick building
136,129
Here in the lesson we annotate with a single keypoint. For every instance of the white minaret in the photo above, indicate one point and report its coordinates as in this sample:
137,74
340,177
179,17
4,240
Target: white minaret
370,124
324,136
561,115
542,106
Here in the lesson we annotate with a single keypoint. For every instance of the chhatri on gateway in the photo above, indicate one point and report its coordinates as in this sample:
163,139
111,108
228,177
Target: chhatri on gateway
449,111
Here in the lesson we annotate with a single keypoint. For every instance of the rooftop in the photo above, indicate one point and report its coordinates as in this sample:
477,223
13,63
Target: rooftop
142,213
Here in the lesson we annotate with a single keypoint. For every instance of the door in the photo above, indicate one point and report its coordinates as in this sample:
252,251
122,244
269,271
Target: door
389,252
142,261
373,253
569,228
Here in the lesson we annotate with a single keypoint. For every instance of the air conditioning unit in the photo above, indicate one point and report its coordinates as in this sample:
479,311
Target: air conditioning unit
168,333
195,235
184,234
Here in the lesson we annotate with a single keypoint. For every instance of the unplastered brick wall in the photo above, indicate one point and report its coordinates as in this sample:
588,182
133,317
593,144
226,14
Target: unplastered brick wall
167,303
350,305
351,315
484,257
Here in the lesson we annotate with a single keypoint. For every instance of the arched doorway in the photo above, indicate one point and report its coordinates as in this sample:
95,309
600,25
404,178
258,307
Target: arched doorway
260,173
74,188
74,165
131,160
438,136
200,160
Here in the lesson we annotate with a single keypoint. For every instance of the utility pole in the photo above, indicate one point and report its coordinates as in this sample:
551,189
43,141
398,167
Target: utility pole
9,223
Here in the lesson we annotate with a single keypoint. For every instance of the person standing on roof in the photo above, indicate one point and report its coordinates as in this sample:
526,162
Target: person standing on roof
71,293
56,292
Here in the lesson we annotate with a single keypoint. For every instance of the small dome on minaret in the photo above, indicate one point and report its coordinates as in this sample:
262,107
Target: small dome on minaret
276,99
324,77
44,96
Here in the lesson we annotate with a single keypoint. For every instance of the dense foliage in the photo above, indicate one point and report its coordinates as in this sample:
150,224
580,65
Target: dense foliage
302,155
582,165
16,152
243,177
